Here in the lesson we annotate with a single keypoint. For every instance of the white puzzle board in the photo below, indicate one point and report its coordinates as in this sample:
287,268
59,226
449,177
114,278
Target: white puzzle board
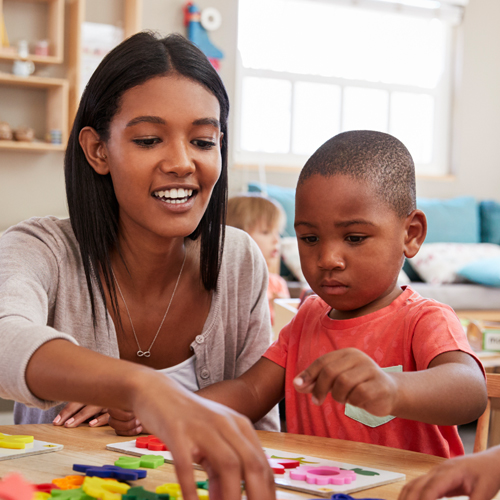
362,481
34,448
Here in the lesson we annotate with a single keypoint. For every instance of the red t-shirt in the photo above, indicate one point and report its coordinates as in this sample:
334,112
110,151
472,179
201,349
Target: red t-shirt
404,336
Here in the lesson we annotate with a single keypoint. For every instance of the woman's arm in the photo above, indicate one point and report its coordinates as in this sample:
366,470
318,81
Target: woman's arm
195,430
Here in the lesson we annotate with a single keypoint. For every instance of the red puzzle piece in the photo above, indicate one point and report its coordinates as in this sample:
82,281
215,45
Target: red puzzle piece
151,443
14,487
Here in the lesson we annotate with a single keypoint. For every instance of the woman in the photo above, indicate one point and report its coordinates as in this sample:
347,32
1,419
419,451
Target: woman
138,271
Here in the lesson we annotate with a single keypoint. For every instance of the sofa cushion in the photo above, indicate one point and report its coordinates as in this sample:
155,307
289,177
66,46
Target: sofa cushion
455,220
484,271
490,221
439,263
284,196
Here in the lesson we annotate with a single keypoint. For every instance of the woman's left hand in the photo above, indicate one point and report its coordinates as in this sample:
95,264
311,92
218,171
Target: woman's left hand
73,414
124,423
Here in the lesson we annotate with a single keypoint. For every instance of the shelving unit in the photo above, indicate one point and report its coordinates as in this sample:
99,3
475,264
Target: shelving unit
56,110
55,33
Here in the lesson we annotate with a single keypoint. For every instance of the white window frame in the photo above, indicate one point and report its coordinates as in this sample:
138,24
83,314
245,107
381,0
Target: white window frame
442,94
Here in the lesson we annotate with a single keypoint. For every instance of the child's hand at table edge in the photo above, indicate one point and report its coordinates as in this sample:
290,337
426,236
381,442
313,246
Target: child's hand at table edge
350,376
474,475
73,414
124,423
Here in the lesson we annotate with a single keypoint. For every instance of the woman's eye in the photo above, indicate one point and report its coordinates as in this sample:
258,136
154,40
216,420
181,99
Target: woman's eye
147,142
355,239
203,144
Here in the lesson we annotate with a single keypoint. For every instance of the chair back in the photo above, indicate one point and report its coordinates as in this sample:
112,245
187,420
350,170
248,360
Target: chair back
483,422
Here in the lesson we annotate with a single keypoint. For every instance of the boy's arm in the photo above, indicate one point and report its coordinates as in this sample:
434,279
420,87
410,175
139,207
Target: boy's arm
451,391
254,393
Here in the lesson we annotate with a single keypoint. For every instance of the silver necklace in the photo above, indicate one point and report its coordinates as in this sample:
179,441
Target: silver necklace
140,352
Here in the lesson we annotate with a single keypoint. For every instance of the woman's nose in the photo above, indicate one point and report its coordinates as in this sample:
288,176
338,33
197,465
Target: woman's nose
331,258
177,159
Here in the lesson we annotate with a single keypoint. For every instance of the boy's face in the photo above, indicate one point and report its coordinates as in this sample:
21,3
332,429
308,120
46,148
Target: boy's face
351,244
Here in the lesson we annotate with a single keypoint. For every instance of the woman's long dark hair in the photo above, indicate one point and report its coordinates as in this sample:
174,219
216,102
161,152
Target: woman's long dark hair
93,207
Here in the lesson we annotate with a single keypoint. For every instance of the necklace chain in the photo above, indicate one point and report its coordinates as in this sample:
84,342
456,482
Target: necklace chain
140,352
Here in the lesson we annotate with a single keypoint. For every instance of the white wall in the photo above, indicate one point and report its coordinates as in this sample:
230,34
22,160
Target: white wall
33,184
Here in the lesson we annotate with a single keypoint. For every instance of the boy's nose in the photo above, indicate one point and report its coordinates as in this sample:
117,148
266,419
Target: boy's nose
177,159
331,259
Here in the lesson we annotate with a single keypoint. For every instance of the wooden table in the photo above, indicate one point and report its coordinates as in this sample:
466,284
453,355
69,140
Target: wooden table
85,445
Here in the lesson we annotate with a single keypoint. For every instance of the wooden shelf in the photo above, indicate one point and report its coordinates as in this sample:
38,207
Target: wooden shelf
56,114
35,146
55,33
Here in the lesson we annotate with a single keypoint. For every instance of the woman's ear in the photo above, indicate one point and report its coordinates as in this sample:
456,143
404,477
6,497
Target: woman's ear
95,150
416,230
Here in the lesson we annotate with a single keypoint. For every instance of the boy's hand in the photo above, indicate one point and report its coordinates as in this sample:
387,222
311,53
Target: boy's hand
124,423
472,475
73,414
351,377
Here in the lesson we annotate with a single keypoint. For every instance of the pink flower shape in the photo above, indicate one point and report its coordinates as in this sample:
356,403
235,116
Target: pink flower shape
323,475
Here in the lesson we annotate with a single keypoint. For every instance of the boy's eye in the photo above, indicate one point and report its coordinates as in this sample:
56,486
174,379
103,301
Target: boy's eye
309,239
204,144
147,142
355,239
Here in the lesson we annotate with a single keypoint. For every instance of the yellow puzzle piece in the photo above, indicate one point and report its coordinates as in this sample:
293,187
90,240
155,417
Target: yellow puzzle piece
14,442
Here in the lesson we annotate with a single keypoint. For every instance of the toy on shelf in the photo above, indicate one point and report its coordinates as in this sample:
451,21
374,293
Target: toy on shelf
198,24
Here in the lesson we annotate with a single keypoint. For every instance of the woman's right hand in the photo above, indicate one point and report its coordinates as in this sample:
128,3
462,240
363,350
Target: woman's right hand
198,430
124,423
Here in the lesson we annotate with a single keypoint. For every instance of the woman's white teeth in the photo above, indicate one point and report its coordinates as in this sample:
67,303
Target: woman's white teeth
174,195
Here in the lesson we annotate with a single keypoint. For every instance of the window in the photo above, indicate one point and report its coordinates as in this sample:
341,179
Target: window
309,69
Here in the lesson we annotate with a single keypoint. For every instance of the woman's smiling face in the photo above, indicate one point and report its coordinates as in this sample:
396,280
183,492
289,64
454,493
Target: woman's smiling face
164,155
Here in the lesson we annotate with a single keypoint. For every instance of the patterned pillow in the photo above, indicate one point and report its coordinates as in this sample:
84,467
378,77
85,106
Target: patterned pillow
439,263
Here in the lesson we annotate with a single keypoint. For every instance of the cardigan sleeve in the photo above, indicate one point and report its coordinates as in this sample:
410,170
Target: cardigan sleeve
28,284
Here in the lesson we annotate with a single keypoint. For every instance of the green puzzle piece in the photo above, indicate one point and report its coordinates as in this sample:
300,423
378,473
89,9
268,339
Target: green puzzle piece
128,462
363,472
139,493
202,485
299,459
152,461
74,494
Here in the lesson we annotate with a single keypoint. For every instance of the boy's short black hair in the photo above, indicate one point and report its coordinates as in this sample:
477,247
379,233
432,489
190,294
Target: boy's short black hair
377,158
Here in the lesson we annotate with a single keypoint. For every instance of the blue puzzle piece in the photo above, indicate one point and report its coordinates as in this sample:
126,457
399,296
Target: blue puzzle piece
110,471
343,496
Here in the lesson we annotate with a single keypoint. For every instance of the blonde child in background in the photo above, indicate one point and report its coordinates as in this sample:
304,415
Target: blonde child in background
263,219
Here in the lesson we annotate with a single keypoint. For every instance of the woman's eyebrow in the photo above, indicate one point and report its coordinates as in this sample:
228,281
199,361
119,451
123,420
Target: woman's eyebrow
207,121
146,118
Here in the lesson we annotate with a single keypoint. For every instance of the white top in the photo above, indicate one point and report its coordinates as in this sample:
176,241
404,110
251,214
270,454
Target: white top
184,373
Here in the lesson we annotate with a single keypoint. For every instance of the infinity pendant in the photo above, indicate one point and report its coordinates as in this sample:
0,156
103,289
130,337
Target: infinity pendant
146,354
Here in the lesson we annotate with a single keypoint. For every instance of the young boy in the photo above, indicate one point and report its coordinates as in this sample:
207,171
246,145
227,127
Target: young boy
262,219
382,364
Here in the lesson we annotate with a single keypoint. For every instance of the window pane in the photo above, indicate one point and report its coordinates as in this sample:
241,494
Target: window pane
412,122
365,109
266,115
317,38
316,115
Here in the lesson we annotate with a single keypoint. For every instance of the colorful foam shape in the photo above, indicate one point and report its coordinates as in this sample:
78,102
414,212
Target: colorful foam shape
151,443
15,442
152,461
139,493
104,489
75,494
46,487
68,482
41,495
110,472
276,467
14,487
344,496
128,462
323,475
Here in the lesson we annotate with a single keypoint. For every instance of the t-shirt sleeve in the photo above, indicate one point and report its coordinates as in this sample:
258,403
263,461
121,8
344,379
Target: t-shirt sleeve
438,330
28,282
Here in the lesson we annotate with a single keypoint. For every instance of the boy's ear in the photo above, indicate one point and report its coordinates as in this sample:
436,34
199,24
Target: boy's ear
94,149
416,229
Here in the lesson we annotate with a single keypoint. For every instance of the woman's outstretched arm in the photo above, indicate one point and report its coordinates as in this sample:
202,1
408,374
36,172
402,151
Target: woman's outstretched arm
194,429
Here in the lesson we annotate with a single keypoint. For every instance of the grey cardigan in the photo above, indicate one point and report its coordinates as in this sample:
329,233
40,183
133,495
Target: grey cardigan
43,296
